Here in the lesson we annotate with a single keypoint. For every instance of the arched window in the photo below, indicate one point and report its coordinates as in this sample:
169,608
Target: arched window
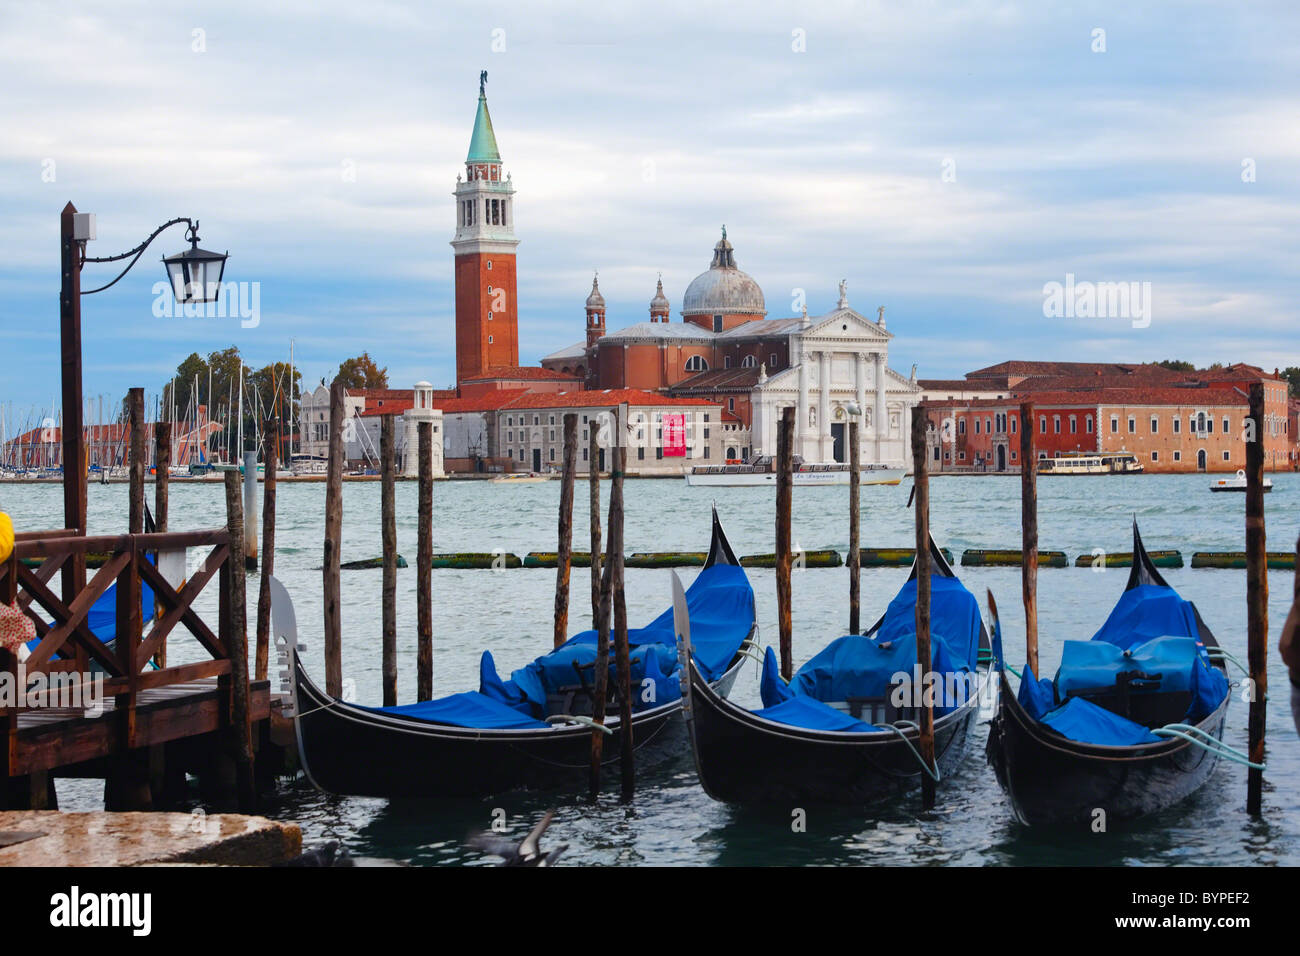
748,362
696,363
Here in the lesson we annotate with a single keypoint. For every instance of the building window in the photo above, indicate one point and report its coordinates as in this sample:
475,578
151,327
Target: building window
489,264
1178,456
1056,424
640,453
552,433
1013,426
1074,424
489,340
961,426
552,454
1132,425
584,454
1155,425
988,425
1227,456
731,404
1087,424
659,452
489,316
696,363
961,456
706,451
510,437
1155,456
977,426
536,420
772,361
1225,426
1042,424
717,323
1178,425
748,362
726,362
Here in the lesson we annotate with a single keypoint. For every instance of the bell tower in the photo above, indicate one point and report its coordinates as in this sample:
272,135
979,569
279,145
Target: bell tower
487,311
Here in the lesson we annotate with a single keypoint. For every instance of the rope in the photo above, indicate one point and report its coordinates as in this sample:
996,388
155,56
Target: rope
1209,743
1220,652
897,727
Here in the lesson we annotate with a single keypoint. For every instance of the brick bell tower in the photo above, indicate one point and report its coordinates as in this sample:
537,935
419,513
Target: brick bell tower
487,310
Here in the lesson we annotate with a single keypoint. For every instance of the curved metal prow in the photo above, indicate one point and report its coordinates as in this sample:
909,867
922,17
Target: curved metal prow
1143,571
719,547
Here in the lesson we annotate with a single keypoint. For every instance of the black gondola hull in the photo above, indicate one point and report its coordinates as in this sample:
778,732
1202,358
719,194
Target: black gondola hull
1050,780
358,752
745,759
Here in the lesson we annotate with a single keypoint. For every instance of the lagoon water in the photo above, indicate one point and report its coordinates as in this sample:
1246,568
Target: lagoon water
672,821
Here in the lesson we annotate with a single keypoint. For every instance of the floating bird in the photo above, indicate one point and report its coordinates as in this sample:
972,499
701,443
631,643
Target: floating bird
526,853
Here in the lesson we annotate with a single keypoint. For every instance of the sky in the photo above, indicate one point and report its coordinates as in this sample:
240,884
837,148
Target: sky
948,160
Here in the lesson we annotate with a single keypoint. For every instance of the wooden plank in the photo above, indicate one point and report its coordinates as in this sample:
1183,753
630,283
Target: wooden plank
72,620
181,605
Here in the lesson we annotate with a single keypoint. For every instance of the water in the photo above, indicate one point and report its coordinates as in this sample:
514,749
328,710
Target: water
672,821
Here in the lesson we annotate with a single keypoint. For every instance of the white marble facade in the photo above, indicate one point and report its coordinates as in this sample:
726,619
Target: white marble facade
839,363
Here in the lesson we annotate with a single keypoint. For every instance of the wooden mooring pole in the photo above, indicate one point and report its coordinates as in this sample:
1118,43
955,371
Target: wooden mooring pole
622,656
564,550
921,481
388,530
333,546
601,623
784,554
1029,533
162,456
593,489
271,465
1256,598
250,510
135,461
235,616
855,523
424,567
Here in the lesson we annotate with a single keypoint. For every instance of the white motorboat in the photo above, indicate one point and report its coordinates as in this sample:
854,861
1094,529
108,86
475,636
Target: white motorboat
761,470
1237,483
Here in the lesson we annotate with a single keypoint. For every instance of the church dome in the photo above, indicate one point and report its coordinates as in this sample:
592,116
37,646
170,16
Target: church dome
595,300
724,288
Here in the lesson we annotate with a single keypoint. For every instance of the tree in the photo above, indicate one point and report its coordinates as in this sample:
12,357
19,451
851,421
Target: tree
362,372
1292,376
271,386
1175,365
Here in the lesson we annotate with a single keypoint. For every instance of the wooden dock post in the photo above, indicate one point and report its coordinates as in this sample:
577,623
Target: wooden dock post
622,655
855,524
271,465
921,482
593,488
1029,533
600,675
564,550
236,638
388,526
333,546
784,554
162,456
424,568
250,510
135,461
1256,598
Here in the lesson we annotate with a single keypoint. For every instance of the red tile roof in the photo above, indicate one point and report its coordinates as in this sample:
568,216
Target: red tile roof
520,398
1137,395
526,373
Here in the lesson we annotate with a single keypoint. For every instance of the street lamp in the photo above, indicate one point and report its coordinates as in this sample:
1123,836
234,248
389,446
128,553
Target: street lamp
195,274
200,281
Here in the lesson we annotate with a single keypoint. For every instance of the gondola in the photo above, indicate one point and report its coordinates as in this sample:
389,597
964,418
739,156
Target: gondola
530,731
1113,733
826,746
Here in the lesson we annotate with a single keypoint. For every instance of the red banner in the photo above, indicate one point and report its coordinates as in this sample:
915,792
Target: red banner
674,436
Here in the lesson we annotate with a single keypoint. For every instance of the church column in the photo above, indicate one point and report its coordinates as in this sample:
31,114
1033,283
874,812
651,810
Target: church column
860,381
801,415
825,449
881,413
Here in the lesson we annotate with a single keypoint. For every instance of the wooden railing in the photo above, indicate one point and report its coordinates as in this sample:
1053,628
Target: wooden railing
69,645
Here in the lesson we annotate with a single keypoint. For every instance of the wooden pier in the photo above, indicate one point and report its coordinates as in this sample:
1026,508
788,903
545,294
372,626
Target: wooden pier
139,726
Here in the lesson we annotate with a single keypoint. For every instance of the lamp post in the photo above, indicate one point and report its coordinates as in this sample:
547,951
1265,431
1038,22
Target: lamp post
195,276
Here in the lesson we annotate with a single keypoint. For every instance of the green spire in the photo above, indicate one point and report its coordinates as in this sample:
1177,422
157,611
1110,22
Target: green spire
483,144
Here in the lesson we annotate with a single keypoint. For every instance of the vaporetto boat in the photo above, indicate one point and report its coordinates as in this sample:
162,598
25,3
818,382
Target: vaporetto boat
761,470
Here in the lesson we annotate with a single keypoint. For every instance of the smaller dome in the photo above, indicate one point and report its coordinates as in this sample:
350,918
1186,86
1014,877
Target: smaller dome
595,300
424,385
660,302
